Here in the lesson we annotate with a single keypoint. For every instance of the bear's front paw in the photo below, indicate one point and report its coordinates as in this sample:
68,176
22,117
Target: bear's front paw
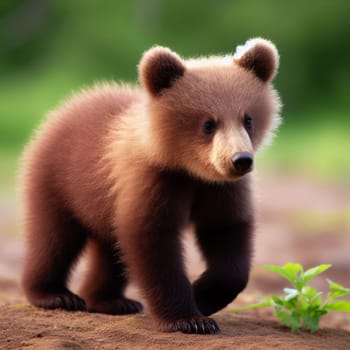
195,324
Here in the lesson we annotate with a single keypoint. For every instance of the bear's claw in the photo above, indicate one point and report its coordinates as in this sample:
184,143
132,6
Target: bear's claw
194,325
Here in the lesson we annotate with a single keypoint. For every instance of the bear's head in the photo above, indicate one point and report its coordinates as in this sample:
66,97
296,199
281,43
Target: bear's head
208,116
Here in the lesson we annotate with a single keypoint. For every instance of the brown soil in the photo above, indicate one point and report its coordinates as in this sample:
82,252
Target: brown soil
26,327
299,221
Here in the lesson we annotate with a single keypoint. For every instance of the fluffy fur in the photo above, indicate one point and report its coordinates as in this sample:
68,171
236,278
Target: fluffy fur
122,171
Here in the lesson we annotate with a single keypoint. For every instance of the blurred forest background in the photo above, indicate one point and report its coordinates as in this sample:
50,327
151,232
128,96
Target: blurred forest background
49,48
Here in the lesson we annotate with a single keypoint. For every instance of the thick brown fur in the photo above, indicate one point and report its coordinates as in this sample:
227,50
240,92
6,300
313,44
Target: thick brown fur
123,171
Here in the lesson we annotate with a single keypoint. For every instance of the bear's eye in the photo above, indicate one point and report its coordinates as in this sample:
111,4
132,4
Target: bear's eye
248,123
209,127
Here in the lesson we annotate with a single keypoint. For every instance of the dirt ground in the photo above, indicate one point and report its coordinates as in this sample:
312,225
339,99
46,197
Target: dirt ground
299,221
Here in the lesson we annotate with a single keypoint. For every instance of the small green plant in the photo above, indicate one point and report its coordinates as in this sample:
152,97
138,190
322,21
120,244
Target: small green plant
302,306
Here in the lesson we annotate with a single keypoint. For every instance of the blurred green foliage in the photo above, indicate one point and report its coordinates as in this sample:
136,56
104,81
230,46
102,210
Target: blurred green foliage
51,47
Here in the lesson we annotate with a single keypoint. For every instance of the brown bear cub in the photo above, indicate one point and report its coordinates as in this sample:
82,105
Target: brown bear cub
123,171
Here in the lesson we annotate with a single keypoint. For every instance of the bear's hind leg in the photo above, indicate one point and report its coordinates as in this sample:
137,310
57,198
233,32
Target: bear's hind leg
54,241
104,286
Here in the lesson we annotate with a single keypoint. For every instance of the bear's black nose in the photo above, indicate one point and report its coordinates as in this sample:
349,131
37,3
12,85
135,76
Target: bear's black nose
242,162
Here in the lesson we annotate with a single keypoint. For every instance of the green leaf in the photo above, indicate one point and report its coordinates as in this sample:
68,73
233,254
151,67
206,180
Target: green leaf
264,303
337,290
290,320
276,300
309,292
311,296
316,300
288,271
314,271
340,305
293,269
311,321
279,271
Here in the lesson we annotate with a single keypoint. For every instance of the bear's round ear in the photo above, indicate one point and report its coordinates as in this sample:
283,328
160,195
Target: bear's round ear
159,68
260,56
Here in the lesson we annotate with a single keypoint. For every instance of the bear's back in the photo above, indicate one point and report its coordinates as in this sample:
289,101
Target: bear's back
64,158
